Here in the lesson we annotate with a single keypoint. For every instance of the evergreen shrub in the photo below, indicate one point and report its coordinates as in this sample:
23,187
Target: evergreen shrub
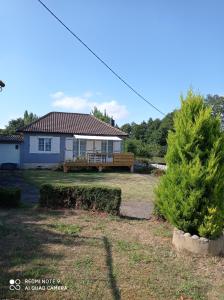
191,193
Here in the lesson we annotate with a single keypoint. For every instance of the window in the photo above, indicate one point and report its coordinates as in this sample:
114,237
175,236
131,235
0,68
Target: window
110,147
41,145
47,144
44,144
104,146
82,147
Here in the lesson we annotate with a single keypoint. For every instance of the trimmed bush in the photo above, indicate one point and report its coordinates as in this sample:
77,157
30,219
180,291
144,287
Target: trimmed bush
89,197
191,193
10,197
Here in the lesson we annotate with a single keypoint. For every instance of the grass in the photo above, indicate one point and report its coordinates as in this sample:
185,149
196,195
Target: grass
135,187
101,257
86,263
70,229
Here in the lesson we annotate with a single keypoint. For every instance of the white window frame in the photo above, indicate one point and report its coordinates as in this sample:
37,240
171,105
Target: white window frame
42,144
79,148
45,144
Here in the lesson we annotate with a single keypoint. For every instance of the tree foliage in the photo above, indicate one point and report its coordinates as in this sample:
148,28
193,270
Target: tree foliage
190,194
138,148
217,104
148,138
14,124
101,116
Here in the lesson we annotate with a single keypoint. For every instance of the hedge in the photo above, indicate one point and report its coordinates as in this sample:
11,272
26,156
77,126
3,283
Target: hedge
89,197
10,197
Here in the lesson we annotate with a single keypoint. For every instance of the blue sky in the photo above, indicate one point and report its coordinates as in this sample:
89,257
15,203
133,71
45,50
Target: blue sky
160,47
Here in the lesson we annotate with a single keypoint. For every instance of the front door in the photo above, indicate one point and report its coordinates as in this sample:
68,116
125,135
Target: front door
68,148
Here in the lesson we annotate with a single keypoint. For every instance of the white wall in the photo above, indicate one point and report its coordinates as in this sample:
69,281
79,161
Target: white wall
9,153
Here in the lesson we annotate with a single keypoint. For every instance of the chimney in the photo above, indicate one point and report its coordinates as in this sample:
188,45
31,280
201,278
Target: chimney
112,122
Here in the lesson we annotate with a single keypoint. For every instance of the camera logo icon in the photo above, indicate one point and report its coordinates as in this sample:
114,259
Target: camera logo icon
14,284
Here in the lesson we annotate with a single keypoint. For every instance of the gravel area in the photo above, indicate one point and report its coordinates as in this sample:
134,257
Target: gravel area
138,210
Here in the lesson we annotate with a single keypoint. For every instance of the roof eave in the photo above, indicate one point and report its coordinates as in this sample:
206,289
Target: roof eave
60,132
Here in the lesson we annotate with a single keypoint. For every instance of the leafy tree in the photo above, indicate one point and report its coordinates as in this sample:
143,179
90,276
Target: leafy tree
152,135
127,128
157,150
138,131
101,116
137,147
29,117
14,124
164,127
132,145
190,194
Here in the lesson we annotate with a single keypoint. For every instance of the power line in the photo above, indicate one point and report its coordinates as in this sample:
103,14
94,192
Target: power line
101,60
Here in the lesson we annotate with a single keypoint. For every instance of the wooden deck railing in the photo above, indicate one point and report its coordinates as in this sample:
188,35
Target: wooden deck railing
125,159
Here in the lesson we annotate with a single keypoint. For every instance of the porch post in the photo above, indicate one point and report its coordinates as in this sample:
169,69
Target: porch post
132,169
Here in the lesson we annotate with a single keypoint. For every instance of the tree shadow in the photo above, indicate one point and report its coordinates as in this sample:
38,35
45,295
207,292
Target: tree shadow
109,261
23,253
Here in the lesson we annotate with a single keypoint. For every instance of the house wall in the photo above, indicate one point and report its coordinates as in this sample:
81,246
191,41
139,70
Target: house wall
30,159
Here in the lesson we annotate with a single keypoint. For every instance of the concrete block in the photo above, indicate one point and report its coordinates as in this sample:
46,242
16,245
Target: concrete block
199,245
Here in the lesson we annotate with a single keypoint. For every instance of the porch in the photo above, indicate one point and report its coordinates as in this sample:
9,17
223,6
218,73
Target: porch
101,161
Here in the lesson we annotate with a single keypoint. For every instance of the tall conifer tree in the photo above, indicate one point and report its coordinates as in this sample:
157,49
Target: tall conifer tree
191,193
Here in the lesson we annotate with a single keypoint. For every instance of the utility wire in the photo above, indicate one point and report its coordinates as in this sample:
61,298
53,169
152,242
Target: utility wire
101,60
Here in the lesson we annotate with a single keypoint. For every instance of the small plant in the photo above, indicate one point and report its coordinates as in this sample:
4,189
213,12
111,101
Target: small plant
190,194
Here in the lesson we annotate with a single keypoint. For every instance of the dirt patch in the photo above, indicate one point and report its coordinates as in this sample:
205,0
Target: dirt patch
138,210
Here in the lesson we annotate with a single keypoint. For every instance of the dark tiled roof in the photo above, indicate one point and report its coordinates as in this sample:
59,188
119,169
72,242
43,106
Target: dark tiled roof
11,138
73,123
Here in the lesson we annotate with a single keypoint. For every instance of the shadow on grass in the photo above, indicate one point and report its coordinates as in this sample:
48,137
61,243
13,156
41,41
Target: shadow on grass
124,217
112,278
25,243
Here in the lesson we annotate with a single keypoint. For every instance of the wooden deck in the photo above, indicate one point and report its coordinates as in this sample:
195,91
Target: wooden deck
118,160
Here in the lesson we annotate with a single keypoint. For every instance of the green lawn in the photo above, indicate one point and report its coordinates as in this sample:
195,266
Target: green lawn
98,256
135,187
